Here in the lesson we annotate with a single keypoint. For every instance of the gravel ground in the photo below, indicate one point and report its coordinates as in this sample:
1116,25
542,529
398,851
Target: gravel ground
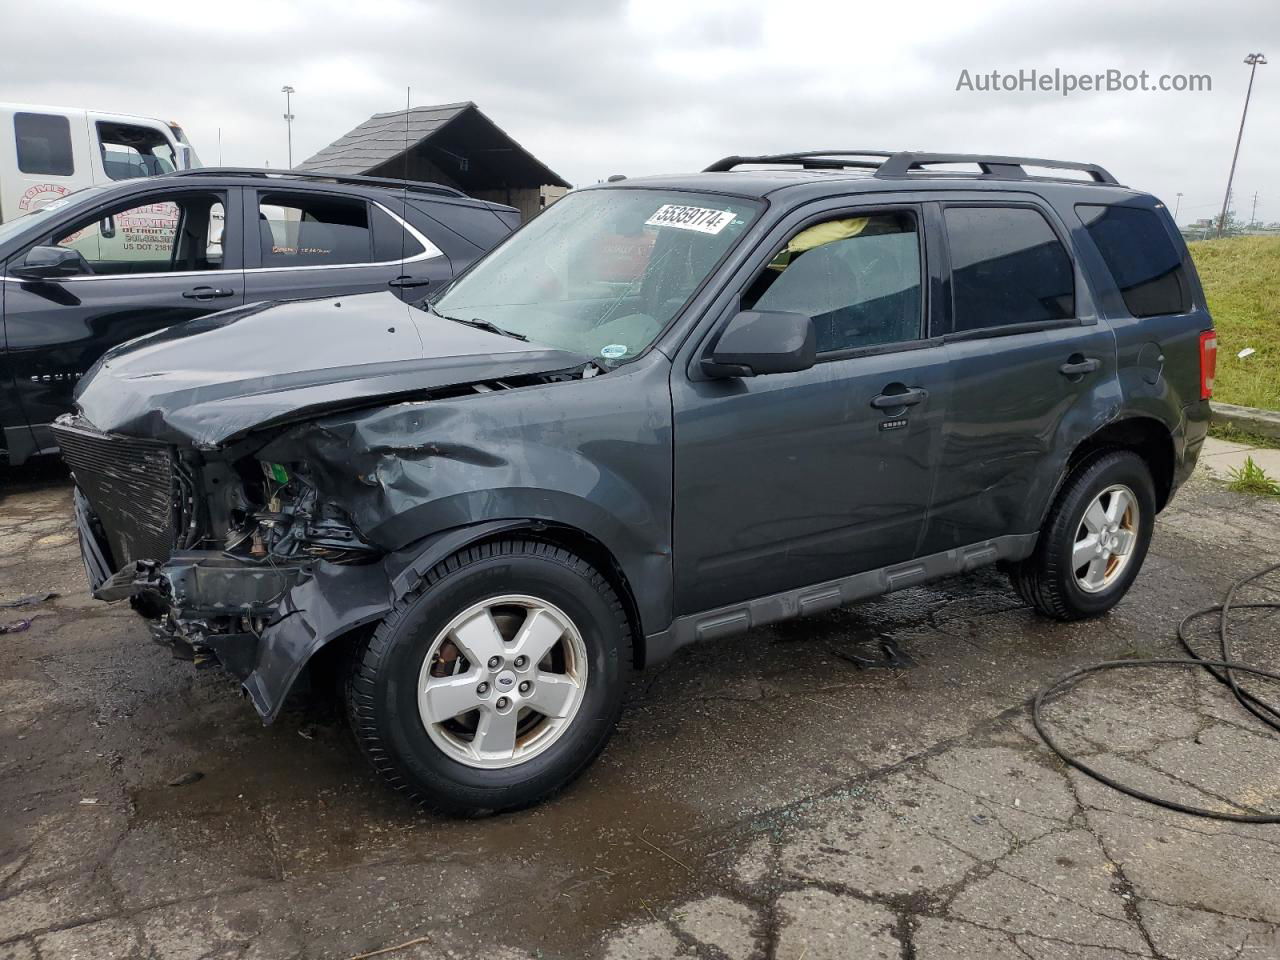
764,797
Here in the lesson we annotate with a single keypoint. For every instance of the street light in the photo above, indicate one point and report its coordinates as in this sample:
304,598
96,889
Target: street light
1176,207
288,92
1252,60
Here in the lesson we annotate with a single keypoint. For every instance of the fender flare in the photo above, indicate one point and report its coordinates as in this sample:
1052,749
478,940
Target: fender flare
337,599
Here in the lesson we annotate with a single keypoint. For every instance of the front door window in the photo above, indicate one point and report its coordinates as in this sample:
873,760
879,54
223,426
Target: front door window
164,234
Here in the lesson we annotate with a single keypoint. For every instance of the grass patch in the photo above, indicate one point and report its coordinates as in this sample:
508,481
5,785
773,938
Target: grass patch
1251,478
1241,278
1233,434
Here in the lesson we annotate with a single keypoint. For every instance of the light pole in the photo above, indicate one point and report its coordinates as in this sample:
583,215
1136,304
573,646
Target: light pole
288,92
1252,60
1176,207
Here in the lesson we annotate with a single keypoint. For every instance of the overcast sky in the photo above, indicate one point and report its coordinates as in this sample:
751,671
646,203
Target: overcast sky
601,87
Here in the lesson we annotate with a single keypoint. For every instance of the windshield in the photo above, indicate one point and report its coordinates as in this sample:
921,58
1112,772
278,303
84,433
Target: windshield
11,228
601,272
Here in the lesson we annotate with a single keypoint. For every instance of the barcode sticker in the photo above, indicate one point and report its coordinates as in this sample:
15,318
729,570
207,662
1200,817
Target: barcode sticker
701,219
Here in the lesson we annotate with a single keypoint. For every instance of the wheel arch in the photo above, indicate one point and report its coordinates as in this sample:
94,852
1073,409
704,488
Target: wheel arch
589,548
1146,436
324,617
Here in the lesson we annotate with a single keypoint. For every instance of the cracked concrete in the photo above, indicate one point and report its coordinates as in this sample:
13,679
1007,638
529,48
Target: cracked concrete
764,799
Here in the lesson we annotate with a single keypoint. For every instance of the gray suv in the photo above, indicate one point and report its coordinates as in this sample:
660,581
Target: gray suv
666,410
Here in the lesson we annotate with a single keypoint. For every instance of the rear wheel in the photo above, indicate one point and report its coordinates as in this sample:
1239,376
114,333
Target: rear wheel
496,681
1093,541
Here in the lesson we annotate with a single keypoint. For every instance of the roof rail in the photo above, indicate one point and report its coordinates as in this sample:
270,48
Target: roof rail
905,163
810,160
999,168
417,186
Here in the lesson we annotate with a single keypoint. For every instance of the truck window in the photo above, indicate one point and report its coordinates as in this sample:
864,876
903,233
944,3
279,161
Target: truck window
163,235
1147,267
1007,267
304,231
130,151
44,144
858,277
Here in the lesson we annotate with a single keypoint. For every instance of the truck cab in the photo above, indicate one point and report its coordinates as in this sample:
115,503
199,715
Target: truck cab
49,152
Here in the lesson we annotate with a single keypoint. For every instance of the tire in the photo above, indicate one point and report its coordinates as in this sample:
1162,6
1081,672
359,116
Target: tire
435,763
1049,580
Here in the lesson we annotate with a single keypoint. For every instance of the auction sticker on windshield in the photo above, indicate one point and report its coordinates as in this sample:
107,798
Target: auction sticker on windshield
702,219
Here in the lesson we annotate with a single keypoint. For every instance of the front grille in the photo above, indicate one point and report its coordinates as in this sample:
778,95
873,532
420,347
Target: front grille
130,485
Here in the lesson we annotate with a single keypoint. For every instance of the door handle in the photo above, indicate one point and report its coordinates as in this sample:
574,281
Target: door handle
1078,366
207,293
907,398
403,282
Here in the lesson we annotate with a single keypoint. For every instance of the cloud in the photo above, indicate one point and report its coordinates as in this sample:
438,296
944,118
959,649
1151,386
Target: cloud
595,88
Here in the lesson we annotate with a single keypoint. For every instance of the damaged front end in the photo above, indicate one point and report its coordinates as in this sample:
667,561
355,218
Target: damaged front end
239,538
256,553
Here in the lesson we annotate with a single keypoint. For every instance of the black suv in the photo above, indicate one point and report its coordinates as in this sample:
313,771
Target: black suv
107,264
666,410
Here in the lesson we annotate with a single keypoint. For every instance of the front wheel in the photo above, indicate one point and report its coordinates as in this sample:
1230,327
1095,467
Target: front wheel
496,681
1093,541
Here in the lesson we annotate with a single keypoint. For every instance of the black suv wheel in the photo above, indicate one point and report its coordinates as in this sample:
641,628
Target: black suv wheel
1093,541
496,681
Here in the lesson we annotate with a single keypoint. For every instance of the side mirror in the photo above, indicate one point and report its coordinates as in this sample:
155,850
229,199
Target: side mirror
183,154
757,342
107,228
50,263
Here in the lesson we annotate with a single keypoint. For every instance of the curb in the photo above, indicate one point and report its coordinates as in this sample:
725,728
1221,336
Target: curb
1265,423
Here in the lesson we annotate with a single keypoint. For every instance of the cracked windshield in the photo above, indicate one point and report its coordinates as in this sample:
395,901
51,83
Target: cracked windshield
603,271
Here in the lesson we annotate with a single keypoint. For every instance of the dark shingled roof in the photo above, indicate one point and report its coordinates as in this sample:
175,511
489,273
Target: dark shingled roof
455,137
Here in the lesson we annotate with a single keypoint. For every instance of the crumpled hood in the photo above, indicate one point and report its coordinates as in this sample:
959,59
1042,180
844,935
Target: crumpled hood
210,380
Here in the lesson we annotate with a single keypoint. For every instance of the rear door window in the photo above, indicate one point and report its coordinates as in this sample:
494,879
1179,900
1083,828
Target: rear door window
1141,256
298,230
1007,267
44,144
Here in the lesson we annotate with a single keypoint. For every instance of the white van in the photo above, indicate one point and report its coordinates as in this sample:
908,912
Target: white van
47,152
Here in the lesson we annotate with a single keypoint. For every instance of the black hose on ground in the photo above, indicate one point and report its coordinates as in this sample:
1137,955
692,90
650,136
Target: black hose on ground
1224,670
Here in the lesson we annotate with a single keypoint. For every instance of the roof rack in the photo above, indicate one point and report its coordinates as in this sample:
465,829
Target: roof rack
906,162
417,186
810,160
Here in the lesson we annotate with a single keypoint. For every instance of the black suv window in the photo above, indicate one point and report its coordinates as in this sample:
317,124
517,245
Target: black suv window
164,234
390,240
1007,267
858,277
44,144
298,230
1147,267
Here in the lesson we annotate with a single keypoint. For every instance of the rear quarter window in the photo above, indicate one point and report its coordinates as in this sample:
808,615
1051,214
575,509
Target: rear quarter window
1137,249
477,225
44,144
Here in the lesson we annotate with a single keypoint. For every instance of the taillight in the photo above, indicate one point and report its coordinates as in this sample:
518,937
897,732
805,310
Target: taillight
1208,362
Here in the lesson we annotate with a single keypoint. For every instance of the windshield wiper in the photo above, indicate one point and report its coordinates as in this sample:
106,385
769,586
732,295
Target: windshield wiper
476,322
